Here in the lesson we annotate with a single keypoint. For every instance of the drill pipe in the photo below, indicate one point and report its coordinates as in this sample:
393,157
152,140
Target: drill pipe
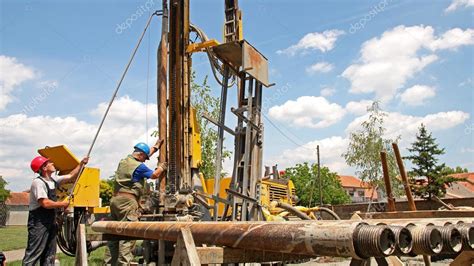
403,239
467,232
295,237
452,239
427,240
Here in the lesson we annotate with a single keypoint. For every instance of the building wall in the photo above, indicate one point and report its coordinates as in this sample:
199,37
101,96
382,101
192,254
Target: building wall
17,218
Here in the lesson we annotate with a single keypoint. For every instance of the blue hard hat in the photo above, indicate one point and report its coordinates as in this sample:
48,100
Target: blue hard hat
143,147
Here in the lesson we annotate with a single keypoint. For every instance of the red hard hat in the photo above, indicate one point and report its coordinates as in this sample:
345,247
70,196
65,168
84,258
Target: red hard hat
37,162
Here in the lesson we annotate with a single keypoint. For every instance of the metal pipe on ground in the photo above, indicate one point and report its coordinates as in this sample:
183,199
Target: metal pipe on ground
427,240
295,237
452,239
403,239
467,233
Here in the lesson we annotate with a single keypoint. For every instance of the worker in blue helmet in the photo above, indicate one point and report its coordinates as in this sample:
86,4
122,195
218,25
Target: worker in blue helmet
128,187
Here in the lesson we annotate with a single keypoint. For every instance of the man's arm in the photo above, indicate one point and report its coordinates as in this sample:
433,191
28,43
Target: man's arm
49,204
72,176
155,147
160,170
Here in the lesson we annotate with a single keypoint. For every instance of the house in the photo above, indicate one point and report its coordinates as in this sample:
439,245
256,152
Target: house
358,191
461,189
17,204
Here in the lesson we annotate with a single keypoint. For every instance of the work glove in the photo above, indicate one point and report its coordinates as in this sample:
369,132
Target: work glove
163,165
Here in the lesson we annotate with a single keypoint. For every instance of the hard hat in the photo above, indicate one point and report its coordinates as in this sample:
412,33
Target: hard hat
37,163
143,147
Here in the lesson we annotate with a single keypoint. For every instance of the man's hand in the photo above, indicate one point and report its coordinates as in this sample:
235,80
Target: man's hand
163,166
158,144
84,161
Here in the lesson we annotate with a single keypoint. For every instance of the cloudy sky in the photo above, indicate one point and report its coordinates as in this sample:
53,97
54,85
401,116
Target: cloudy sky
60,62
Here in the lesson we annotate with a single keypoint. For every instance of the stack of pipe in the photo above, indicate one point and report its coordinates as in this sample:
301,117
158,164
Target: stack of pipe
357,239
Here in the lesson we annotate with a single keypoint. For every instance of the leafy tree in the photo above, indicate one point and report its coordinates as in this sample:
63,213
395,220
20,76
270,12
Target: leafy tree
205,103
106,191
365,145
4,193
457,170
307,186
425,164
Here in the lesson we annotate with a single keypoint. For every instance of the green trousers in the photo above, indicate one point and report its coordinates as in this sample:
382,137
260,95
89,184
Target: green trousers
120,252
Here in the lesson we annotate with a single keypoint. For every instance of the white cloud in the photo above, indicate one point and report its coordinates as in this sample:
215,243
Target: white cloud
322,67
359,107
459,4
308,111
387,62
12,74
22,135
406,126
452,39
327,91
314,41
330,152
417,95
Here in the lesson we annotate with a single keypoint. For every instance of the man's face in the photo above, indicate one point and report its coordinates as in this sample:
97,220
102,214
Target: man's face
142,157
49,167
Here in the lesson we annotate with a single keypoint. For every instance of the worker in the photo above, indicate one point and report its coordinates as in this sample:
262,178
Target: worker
128,186
41,245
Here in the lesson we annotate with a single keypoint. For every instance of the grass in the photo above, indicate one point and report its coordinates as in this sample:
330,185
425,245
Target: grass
17,235
96,257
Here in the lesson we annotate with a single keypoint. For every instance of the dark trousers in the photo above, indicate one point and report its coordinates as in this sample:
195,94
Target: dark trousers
42,230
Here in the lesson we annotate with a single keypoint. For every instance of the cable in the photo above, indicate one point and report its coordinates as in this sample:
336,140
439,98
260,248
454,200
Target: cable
282,133
157,13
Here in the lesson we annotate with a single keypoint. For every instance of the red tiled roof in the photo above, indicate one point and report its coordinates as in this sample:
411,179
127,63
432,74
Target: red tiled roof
348,181
18,198
469,183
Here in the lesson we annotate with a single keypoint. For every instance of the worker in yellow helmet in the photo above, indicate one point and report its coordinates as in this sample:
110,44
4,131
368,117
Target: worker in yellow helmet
128,186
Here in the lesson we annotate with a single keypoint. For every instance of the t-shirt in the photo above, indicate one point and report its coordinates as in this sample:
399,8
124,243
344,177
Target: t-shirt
141,172
40,191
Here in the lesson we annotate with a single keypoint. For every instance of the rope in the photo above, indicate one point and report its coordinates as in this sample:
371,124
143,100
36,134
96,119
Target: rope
114,95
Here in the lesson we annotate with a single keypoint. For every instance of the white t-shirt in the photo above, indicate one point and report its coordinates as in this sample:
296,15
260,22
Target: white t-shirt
40,191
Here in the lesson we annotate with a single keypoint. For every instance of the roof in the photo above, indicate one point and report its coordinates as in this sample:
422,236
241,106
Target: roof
468,183
348,181
18,199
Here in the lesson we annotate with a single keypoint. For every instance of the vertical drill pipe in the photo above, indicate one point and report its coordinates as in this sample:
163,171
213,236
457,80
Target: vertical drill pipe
452,239
297,237
386,179
162,94
467,232
403,174
220,139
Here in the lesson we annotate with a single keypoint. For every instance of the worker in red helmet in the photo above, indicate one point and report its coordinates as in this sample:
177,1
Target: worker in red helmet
128,187
41,245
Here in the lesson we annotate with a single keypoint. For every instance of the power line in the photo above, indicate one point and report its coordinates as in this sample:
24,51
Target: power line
285,135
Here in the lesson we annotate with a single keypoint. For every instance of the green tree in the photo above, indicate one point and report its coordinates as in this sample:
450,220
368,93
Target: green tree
424,155
4,193
456,170
365,145
106,191
205,103
307,186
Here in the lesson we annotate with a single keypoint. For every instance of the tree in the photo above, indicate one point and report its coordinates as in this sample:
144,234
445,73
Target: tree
456,170
205,103
4,193
305,179
365,145
425,164
106,191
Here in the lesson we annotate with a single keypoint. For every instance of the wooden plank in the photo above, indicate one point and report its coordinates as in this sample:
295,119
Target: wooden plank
465,258
81,248
417,214
185,251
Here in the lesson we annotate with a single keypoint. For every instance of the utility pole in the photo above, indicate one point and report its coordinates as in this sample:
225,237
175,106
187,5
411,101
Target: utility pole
319,178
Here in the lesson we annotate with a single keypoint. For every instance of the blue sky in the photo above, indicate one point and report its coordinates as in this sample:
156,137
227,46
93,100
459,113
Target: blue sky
60,63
